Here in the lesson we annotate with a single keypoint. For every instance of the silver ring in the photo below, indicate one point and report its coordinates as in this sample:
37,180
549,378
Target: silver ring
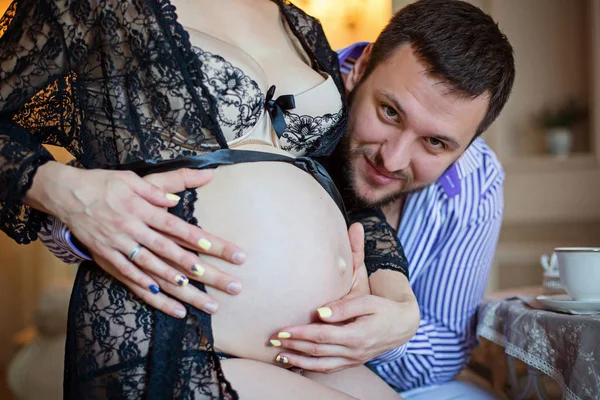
135,251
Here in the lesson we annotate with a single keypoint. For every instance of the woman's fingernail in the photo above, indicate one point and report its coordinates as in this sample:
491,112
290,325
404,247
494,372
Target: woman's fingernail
274,343
198,270
173,197
204,244
181,280
282,359
210,307
325,312
180,312
154,289
284,335
238,257
234,287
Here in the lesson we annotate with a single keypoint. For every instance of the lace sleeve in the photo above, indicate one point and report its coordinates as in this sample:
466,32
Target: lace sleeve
33,61
382,247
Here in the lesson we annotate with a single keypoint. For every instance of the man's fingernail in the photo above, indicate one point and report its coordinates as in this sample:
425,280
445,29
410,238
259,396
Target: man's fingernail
210,307
180,312
204,244
173,197
282,359
325,312
284,335
238,257
274,343
154,289
234,288
181,280
198,270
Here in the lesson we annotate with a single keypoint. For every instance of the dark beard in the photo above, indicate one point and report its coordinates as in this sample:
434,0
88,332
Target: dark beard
343,176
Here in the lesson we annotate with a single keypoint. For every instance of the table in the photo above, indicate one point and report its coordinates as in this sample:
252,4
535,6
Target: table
562,346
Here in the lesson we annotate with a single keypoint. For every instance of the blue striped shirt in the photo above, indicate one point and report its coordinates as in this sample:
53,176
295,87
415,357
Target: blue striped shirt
449,231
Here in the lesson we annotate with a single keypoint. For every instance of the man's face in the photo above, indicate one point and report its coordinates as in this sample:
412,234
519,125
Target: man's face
405,128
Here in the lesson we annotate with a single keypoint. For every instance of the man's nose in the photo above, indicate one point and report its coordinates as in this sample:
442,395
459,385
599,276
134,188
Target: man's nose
396,153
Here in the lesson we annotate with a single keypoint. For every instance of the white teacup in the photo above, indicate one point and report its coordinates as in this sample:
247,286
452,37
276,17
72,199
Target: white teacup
579,270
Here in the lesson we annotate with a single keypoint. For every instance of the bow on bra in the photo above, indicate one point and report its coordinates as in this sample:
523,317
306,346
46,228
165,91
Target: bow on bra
276,107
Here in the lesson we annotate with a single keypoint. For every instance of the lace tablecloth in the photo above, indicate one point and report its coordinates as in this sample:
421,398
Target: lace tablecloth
564,347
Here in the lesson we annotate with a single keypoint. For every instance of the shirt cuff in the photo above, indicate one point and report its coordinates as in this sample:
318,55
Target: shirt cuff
57,237
390,355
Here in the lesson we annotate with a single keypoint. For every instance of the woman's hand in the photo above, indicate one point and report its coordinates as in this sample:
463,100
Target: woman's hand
359,326
123,221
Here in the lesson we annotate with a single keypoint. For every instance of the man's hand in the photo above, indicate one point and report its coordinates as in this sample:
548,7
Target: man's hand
357,327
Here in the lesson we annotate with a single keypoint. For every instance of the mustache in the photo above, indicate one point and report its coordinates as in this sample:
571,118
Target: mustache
376,159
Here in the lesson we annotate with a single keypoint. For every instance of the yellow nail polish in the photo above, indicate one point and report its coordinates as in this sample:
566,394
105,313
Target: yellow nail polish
173,197
284,335
275,343
325,312
281,359
181,280
198,270
204,244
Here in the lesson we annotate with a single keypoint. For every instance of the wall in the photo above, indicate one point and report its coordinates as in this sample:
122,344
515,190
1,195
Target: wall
551,43
349,21
551,39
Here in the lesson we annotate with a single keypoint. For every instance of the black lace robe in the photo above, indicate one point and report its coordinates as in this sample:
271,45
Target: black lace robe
116,81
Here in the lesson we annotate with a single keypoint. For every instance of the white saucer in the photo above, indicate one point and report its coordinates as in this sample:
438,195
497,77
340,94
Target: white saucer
564,303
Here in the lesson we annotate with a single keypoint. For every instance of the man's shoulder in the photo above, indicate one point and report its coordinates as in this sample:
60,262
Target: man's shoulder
474,173
479,158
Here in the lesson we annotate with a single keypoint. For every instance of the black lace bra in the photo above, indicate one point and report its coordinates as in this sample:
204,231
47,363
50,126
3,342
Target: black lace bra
245,101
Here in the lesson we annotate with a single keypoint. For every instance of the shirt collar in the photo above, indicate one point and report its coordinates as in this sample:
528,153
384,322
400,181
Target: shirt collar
470,160
348,56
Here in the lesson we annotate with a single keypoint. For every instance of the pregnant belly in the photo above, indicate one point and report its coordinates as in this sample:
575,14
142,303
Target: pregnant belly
299,255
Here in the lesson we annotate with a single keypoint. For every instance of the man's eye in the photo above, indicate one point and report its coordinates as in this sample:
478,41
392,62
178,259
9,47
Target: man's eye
390,112
436,143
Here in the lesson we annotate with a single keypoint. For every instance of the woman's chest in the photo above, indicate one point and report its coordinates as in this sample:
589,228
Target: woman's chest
258,31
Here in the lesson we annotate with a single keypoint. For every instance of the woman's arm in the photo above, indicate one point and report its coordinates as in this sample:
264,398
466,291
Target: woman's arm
29,61
111,212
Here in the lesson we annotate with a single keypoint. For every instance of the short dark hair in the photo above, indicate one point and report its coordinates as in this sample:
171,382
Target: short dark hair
461,45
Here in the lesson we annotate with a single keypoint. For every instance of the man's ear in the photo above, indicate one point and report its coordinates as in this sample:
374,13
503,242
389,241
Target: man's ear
359,68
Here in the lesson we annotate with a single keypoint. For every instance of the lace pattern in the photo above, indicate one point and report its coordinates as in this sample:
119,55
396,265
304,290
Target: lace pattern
382,247
303,131
125,349
240,101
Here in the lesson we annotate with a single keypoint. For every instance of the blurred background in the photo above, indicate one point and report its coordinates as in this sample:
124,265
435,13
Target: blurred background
548,139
